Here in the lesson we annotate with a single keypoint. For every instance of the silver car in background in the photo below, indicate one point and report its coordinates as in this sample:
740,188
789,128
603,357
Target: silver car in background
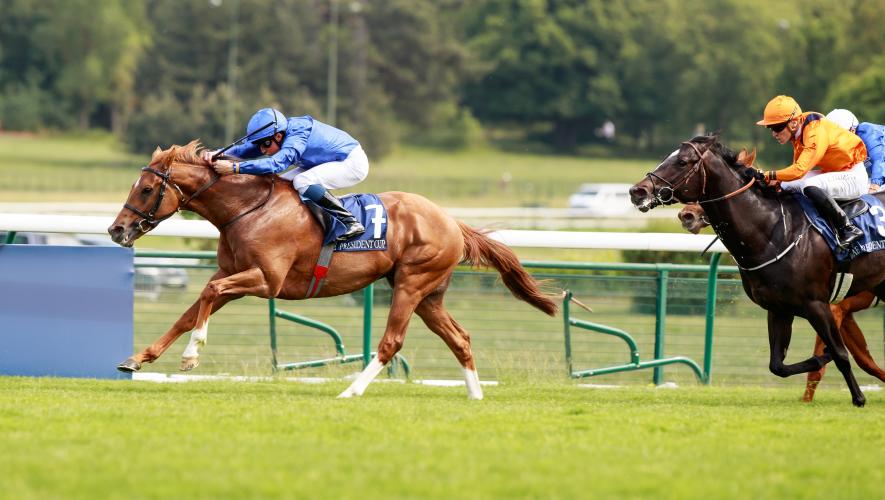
148,279
601,200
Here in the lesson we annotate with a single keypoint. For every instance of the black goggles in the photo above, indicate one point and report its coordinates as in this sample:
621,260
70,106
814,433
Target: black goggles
778,127
264,143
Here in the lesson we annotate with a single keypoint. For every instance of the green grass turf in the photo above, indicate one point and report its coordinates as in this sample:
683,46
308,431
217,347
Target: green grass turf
99,439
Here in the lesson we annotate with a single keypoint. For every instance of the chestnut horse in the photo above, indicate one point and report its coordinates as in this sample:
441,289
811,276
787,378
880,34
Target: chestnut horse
694,219
785,266
270,242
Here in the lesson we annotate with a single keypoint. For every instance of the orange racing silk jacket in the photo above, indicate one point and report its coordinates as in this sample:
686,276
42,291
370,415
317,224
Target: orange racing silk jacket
821,143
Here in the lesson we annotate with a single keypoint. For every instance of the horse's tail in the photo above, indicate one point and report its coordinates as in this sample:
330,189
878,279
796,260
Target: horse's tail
480,250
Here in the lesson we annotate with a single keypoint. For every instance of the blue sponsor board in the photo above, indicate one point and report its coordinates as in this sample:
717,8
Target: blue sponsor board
65,311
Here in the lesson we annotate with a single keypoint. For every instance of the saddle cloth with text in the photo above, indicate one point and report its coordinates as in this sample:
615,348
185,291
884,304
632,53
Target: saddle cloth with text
871,222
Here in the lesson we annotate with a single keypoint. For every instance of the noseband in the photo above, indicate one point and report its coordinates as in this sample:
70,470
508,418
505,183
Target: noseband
150,220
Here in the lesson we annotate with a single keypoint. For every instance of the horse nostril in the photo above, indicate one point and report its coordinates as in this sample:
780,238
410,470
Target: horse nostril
115,230
638,192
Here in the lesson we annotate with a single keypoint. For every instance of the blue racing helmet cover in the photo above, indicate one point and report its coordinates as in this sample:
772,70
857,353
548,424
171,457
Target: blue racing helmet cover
265,123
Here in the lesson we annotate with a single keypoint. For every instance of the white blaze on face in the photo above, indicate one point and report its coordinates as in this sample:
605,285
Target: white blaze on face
671,155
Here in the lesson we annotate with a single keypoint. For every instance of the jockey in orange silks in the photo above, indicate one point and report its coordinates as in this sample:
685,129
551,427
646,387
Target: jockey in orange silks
818,142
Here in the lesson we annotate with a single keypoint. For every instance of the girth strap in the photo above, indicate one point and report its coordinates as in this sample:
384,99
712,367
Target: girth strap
841,287
320,271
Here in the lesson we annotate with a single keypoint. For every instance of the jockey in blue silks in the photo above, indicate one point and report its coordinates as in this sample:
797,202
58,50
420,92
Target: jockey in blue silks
324,156
873,137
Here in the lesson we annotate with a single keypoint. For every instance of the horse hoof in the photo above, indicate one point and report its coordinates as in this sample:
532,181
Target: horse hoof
188,364
129,366
859,401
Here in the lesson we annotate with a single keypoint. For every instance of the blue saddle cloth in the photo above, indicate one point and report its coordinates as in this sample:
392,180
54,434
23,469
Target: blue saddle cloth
871,222
371,213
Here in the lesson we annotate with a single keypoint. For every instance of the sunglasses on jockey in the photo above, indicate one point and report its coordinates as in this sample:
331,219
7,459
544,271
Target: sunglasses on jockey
265,142
778,127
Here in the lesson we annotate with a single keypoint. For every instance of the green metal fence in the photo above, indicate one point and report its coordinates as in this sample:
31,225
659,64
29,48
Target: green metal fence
668,311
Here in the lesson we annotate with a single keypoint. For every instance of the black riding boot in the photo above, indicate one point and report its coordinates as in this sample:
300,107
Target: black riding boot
848,232
333,206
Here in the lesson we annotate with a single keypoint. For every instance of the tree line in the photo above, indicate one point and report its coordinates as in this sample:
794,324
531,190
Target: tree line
445,73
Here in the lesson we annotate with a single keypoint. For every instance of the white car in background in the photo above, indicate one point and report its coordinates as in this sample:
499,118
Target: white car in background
602,200
169,277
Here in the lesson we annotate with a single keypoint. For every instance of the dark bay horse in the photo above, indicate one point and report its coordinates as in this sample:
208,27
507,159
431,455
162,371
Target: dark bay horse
785,266
270,242
694,219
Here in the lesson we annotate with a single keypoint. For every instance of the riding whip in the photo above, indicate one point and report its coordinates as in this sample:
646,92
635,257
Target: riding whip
239,141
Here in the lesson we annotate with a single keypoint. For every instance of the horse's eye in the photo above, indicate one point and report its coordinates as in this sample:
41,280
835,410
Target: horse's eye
681,162
147,190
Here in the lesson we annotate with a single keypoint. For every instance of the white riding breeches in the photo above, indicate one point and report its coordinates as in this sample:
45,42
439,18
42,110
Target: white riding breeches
843,185
334,174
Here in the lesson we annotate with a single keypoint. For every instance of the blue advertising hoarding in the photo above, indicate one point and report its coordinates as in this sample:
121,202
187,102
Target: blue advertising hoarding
65,311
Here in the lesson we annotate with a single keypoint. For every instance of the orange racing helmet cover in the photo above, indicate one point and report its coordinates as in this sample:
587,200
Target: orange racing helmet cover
779,110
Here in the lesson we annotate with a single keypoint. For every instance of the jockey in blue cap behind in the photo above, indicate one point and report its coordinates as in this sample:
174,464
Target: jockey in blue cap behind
873,137
324,156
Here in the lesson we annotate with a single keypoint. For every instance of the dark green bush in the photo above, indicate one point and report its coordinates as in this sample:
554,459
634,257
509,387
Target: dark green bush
25,108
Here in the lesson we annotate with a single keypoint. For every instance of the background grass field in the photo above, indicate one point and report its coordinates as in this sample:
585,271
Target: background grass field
94,168
93,439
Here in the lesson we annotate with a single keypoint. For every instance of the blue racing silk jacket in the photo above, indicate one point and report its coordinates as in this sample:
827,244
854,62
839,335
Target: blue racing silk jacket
308,143
873,137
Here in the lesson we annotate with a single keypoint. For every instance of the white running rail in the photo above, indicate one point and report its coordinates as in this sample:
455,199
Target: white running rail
43,223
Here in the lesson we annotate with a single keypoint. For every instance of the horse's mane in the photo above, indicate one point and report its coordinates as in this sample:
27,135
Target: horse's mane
731,159
189,153
713,144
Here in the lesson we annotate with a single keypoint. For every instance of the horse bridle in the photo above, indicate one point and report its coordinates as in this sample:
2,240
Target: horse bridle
669,188
698,166
150,218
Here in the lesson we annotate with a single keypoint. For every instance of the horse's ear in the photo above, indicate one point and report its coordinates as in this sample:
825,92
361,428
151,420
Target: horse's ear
746,158
751,158
156,152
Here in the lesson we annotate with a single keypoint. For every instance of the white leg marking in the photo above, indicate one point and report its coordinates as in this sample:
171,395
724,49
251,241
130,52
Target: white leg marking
474,391
198,340
358,387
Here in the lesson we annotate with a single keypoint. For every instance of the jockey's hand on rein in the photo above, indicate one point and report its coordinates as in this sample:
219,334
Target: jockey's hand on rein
761,179
223,167
208,154
759,176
